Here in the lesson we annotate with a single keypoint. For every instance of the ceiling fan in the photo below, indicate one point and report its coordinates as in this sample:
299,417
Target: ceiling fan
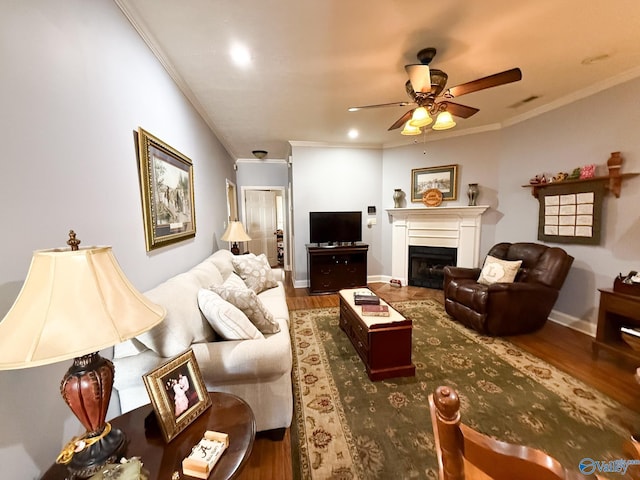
426,89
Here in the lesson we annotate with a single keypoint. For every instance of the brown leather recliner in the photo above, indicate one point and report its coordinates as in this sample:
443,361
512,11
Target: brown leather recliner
508,308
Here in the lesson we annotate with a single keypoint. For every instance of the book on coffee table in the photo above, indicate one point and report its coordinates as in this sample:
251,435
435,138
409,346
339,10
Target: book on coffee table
375,310
365,298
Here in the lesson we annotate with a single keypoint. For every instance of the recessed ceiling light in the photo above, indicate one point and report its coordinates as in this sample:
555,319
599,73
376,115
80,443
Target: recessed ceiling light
240,55
353,133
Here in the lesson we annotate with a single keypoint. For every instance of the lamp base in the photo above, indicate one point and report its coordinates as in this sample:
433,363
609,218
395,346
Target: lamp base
86,388
234,248
94,457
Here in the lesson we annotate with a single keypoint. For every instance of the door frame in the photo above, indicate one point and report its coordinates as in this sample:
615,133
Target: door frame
285,212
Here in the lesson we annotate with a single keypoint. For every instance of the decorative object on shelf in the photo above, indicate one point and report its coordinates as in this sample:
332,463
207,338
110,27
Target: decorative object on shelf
177,392
614,163
432,197
126,469
443,178
260,154
472,194
560,177
586,174
166,182
398,197
588,171
75,302
575,174
235,233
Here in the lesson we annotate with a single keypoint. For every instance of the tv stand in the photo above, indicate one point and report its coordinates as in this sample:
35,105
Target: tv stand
332,268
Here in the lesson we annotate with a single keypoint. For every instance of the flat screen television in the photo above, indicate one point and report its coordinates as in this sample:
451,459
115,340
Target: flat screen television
335,227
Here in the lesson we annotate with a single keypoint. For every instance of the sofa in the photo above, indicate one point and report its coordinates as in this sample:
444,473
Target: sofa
257,370
513,293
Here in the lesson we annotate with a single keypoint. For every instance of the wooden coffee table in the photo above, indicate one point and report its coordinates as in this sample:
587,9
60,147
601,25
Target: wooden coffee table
383,343
228,414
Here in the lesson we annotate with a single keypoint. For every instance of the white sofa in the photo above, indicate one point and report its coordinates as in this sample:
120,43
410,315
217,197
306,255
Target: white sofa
258,371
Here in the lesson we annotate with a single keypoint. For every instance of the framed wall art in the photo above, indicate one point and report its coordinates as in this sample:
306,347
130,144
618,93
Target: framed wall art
166,183
443,178
177,393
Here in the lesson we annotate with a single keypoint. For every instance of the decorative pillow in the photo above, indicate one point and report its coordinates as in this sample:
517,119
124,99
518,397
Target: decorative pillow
255,271
496,270
247,300
227,320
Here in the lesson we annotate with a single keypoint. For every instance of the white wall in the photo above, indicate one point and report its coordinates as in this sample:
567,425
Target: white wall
76,81
581,133
335,179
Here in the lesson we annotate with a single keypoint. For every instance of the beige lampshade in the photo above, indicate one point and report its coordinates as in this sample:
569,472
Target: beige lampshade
444,121
72,303
410,130
235,233
420,118
419,77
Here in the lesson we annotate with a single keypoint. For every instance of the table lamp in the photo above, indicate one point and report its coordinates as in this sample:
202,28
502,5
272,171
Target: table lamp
75,302
235,233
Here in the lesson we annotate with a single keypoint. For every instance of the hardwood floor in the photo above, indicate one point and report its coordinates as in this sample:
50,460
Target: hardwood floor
560,346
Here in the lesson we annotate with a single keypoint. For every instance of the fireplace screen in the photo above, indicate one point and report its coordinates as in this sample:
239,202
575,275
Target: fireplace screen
426,265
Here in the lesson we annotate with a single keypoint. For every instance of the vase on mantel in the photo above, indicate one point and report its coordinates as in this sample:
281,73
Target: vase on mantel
398,196
472,194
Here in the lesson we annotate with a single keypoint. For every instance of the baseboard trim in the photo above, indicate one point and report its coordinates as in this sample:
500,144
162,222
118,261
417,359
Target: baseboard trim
574,323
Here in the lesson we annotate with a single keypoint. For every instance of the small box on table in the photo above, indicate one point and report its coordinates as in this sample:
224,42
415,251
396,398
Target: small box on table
205,454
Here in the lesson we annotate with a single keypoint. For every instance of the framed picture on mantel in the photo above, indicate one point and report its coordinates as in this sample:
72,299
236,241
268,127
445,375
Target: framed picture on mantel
443,178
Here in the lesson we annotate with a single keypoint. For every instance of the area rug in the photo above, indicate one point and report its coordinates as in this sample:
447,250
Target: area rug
348,427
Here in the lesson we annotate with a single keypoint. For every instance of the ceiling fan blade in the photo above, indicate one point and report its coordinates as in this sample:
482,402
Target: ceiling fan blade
393,104
462,111
402,120
495,80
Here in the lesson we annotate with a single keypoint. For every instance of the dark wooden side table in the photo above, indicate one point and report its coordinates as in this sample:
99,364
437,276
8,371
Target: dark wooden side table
228,414
616,310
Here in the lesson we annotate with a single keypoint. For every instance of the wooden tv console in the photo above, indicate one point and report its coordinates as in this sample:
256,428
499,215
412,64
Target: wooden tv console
330,269
383,343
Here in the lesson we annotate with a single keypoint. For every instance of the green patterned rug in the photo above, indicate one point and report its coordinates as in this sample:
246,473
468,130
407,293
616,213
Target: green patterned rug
347,427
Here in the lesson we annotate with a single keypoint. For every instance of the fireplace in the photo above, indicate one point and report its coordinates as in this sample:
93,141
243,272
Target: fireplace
456,227
426,265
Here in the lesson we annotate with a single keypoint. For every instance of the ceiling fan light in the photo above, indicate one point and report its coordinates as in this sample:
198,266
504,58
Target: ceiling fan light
410,130
420,118
444,121
419,77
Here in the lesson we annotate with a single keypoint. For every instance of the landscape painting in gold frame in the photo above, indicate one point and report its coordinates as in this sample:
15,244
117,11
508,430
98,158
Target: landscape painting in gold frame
177,393
444,178
166,184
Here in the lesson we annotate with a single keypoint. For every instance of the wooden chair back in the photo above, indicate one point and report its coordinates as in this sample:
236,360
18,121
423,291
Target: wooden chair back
465,454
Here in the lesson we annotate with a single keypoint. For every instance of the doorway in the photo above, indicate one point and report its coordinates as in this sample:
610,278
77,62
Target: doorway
264,220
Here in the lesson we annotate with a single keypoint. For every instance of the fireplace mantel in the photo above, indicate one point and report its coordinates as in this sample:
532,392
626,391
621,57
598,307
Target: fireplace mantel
456,227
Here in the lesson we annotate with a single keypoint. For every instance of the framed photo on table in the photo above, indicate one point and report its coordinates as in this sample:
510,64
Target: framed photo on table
444,178
177,393
166,183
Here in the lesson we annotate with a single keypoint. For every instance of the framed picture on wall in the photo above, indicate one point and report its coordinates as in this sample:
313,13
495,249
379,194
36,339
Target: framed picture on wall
166,183
443,178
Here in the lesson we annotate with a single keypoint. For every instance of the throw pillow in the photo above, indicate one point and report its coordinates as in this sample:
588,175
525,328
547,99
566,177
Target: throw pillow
496,270
255,271
227,320
247,300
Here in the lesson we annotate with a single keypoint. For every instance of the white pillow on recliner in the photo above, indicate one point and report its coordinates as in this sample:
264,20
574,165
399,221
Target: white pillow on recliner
496,270
227,320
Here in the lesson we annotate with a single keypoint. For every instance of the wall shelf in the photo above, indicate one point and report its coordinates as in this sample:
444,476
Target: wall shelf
613,183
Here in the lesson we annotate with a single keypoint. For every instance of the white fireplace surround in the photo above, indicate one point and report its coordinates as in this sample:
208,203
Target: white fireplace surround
456,227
